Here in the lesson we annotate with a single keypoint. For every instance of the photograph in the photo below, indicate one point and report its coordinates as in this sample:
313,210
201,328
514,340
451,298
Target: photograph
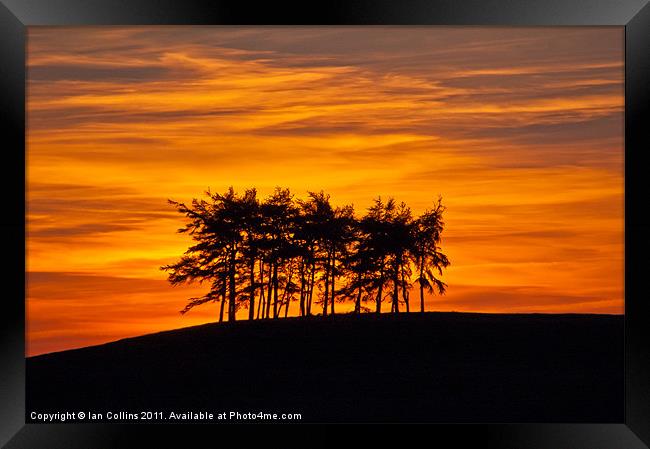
336,224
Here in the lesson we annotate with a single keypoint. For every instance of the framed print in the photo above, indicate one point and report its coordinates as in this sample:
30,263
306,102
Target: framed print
430,212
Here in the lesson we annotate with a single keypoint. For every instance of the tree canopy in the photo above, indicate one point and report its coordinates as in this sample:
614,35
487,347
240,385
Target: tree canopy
262,255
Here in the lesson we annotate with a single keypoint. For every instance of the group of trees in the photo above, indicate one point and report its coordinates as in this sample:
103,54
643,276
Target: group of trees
264,255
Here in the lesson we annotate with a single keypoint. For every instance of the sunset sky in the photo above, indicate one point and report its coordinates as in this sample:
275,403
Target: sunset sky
519,129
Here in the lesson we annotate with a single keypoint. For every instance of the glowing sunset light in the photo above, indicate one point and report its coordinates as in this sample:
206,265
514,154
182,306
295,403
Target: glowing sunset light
520,130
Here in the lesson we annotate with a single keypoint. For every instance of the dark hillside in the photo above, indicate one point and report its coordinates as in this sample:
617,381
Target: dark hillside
433,367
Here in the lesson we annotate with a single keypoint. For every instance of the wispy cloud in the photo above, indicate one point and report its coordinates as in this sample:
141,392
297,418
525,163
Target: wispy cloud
519,129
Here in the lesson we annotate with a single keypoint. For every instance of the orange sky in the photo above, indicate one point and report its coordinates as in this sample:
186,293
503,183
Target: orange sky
519,129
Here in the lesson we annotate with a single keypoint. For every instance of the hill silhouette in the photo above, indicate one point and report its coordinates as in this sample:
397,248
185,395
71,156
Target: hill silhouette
431,367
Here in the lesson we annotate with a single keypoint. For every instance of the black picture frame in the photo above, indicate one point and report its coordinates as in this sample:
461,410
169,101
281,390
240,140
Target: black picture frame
634,15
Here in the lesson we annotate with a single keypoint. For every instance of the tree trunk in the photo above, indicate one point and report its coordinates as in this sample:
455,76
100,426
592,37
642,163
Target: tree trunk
286,295
269,291
251,311
275,290
396,266
333,282
233,287
421,287
223,300
405,293
327,285
357,305
260,306
379,293
302,288
311,287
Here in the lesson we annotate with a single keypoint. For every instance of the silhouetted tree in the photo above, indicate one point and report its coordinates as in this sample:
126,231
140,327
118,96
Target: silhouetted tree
207,259
377,245
278,215
400,242
251,221
280,250
426,253
227,223
358,269
317,218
